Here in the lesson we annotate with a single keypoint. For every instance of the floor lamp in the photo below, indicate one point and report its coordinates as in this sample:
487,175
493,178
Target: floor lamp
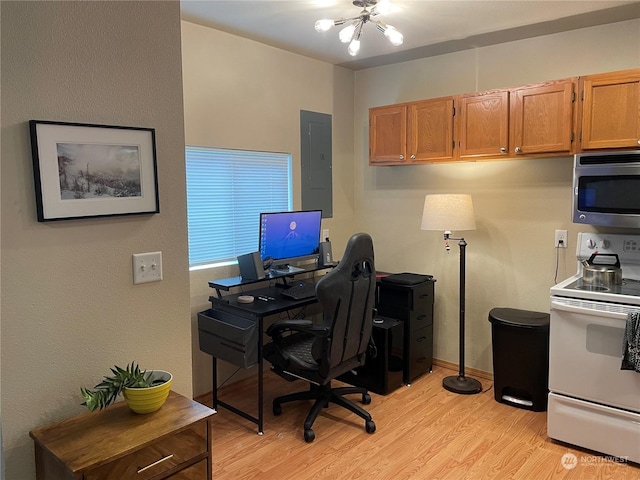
453,213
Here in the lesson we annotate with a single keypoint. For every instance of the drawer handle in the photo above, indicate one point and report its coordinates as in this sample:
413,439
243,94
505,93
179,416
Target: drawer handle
421,317
426,295
142,469
421,339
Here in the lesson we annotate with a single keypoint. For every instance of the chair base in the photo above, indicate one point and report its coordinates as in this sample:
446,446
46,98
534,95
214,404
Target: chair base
323,395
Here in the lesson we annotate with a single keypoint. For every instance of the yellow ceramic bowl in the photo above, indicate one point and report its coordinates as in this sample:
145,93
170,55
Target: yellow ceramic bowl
149,399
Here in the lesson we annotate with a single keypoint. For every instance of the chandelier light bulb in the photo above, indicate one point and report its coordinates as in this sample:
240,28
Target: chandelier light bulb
346,34
394,36
354,47
383,6
324,24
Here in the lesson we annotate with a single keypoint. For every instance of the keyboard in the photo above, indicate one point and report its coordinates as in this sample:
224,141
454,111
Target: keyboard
300,291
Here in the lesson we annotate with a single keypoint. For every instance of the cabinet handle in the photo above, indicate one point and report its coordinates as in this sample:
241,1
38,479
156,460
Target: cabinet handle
421,317
413,157
142,469
401,157
503,150
639,142
518,150
421,339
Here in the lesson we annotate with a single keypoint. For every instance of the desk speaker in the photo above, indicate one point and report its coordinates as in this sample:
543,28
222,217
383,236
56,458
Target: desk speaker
326,257
251,266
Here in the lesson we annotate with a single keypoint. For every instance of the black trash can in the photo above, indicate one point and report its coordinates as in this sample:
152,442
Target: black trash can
520,357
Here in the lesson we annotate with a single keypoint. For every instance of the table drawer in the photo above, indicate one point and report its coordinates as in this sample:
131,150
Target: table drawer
197,471
157,458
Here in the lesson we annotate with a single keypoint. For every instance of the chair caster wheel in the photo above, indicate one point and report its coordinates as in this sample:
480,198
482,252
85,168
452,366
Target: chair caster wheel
366,399
277,409
370,426
310,436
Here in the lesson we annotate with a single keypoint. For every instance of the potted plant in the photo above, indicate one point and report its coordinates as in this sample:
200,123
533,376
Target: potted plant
145,391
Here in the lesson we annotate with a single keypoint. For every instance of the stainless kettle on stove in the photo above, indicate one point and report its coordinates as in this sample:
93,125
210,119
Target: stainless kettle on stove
605,274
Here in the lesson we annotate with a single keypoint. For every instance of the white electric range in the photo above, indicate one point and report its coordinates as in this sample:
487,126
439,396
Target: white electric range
592,402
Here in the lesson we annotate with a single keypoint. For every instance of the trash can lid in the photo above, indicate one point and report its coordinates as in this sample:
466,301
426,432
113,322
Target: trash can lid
520,318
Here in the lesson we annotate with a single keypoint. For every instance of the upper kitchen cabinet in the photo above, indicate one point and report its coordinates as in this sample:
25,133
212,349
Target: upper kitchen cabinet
410,133
483,125
388,135
541,118
430,130
610,110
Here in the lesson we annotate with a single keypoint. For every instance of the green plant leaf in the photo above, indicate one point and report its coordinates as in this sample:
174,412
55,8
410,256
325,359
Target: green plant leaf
106,392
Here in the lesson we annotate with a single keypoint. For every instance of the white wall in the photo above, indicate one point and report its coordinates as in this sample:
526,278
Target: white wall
239,93
69,308
518,204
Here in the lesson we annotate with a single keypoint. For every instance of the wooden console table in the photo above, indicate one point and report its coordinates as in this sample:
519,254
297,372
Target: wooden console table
116,443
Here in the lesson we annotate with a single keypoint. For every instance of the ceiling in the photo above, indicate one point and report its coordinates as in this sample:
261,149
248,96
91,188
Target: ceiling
430,27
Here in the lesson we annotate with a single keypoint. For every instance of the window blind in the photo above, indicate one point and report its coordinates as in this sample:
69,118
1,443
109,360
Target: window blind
226,192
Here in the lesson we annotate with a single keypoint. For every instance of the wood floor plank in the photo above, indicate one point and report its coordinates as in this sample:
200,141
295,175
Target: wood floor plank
423,432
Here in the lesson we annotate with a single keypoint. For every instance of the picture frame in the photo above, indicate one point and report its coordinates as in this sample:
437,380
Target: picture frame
84,170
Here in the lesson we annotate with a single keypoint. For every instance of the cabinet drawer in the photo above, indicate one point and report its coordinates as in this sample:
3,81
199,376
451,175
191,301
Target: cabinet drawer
420,356
415,319
197,471
423,298
157,458
421,318
406,298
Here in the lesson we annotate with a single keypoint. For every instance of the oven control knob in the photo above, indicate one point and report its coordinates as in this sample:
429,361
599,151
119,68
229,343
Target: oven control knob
591,243
606,243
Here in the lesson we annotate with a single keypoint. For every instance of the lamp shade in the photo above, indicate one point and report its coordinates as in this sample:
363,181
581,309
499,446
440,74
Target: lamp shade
451,212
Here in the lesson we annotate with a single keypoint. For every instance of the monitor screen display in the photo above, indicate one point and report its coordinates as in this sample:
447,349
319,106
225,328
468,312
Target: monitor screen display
288,236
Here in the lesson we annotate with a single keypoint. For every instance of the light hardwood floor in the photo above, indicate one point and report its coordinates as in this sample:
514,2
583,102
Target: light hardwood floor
423,432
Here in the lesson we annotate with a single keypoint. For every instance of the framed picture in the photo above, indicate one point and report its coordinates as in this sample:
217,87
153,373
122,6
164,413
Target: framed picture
83,170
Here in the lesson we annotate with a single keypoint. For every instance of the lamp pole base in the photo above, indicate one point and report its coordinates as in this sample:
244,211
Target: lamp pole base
463,385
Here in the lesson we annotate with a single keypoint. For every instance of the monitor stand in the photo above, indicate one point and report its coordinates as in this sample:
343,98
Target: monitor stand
286,269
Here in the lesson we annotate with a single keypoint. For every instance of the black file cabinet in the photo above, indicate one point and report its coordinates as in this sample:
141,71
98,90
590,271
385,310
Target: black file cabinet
383,373
413,305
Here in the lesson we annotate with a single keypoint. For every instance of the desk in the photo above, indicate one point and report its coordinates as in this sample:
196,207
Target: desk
233,331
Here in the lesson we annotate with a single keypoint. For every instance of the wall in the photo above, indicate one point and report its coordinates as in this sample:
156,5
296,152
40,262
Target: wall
69,308
239,93
511,260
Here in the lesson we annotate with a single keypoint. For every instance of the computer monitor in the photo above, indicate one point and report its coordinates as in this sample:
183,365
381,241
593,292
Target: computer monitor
288,237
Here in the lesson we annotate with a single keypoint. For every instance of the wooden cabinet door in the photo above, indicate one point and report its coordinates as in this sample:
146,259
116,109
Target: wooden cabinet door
484,125
430,130
542,118
387,135
610,110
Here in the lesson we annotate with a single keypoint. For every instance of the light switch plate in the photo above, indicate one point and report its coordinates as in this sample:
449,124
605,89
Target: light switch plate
147,267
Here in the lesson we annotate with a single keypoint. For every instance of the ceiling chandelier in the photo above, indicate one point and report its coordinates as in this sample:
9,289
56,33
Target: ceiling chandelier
352,32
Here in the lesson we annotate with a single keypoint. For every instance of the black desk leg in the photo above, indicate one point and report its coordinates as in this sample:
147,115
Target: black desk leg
214,364
260,381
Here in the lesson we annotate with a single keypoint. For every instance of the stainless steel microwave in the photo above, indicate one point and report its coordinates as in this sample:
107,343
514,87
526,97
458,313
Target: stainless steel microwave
606,189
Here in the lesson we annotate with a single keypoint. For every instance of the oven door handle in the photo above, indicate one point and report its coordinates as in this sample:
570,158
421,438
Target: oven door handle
618,312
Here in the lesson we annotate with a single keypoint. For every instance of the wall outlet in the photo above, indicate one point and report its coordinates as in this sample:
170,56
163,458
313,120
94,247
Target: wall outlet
561,239
147,267
325,235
